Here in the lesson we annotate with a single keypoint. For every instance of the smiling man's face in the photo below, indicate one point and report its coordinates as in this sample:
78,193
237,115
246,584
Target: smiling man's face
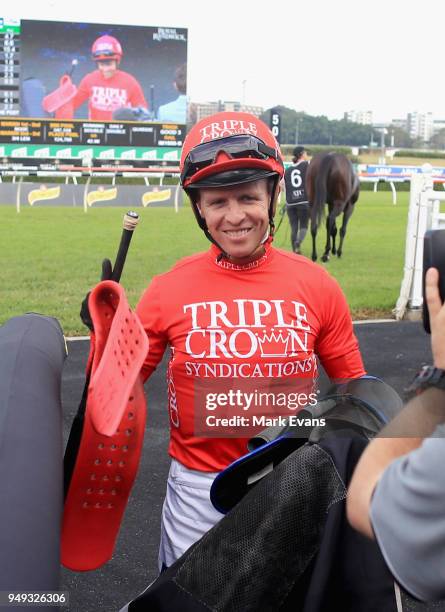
107,67
237,218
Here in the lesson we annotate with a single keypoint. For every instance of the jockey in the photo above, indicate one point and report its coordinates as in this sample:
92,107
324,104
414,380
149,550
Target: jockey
237,318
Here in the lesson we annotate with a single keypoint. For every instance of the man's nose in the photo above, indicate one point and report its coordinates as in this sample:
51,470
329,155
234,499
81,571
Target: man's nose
235,212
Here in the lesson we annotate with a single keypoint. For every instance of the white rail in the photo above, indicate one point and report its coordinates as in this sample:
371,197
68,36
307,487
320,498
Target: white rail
423,214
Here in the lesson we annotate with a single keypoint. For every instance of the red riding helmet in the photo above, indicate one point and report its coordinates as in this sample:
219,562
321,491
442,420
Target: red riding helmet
225,142
226,149
106,47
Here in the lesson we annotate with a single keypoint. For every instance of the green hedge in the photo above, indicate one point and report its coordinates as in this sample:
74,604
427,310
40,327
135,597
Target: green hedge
287,149
384,186
422,154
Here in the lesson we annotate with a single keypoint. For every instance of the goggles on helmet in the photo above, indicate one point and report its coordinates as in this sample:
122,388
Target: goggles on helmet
104,55
238,146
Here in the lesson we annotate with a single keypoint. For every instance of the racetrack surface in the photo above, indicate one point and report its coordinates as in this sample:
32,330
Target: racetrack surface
393,351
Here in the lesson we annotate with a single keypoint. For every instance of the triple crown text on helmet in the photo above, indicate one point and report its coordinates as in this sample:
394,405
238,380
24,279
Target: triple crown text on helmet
227,127
106,47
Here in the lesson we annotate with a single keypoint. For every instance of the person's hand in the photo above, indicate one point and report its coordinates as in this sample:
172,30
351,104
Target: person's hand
437,317
107,272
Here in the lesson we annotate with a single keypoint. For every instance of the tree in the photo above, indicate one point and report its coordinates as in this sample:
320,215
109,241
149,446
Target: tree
438,140
309,129
402,139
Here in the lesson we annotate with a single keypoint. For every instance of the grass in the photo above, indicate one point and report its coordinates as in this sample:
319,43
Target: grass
371,268
52,256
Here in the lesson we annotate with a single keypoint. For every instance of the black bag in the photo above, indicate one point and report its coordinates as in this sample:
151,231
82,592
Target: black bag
357,408
279,546
32,353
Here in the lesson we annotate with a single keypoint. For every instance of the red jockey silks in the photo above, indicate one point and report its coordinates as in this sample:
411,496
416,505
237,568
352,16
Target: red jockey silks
112,435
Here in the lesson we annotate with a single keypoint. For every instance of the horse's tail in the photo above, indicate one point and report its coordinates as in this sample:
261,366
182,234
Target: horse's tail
355,187
318,191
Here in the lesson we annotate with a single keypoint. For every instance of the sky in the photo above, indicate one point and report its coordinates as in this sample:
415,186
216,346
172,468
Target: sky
320,57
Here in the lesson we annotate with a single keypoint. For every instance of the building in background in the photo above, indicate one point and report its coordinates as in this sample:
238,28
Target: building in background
400,123
420,125
438,125
253,110
355,116
201,110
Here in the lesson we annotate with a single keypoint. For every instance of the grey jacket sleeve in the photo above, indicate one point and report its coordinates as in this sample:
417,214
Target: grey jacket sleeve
408,517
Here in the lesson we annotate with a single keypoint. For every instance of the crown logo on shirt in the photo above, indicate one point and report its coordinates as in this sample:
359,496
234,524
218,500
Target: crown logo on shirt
273,344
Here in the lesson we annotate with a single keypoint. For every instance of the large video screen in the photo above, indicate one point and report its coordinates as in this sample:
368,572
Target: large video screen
95,85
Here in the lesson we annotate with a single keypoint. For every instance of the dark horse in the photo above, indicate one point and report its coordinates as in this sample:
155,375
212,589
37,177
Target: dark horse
331,180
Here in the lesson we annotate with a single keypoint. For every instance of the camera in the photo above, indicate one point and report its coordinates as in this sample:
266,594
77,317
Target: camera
433,257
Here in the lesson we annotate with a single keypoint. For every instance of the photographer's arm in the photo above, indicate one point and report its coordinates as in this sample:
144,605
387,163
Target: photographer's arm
406,432
419,418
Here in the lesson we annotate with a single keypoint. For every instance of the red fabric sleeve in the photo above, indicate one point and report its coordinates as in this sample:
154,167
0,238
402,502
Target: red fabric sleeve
150,313
336,345
83,91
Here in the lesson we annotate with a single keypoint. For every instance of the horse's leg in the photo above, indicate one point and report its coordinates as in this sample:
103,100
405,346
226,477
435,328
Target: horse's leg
314,236
327,249
334,236
346,216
